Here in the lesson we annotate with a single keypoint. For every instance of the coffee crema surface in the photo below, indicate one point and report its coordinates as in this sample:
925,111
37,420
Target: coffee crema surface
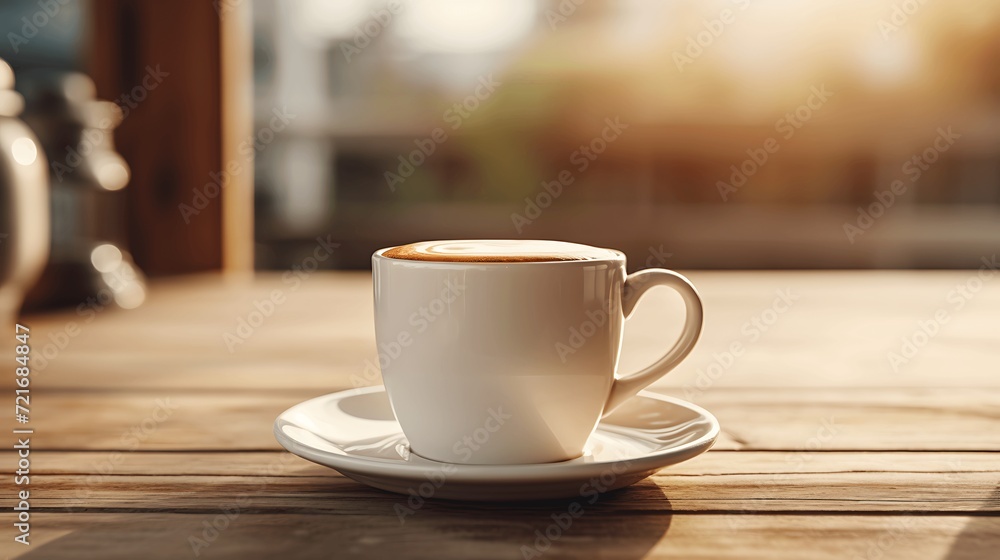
498,251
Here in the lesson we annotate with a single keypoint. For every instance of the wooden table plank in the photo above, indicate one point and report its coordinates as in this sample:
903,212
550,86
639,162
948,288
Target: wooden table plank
597,533
738,482
828,449
752,419
714,463
837,333
327,492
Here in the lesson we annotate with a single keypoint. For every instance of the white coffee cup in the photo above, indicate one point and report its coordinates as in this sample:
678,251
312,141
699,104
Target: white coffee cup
512,362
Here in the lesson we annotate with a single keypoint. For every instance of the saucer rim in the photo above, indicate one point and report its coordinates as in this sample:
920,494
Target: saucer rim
500,473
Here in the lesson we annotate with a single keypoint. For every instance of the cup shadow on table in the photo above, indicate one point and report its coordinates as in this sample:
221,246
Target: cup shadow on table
979,537
625,523
364,523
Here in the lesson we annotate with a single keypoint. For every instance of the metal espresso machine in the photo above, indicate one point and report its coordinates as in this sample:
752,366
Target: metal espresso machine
24,202
89,269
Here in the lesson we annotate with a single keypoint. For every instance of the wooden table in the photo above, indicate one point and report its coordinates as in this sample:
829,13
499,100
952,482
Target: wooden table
153,438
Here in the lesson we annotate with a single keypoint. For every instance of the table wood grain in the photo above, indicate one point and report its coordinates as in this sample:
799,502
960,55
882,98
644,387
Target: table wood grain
153,434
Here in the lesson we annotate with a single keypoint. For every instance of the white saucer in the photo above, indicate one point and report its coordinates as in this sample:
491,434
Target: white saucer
356,433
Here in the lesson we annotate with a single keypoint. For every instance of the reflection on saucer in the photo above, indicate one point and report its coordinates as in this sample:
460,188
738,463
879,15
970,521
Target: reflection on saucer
356,433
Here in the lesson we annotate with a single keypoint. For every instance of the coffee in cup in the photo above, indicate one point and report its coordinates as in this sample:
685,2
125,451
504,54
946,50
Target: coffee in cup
506,351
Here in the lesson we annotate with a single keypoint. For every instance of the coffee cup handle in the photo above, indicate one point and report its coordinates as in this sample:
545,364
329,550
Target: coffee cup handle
635,286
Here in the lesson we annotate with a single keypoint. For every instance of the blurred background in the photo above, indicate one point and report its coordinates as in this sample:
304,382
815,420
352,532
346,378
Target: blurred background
232,134
697,84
